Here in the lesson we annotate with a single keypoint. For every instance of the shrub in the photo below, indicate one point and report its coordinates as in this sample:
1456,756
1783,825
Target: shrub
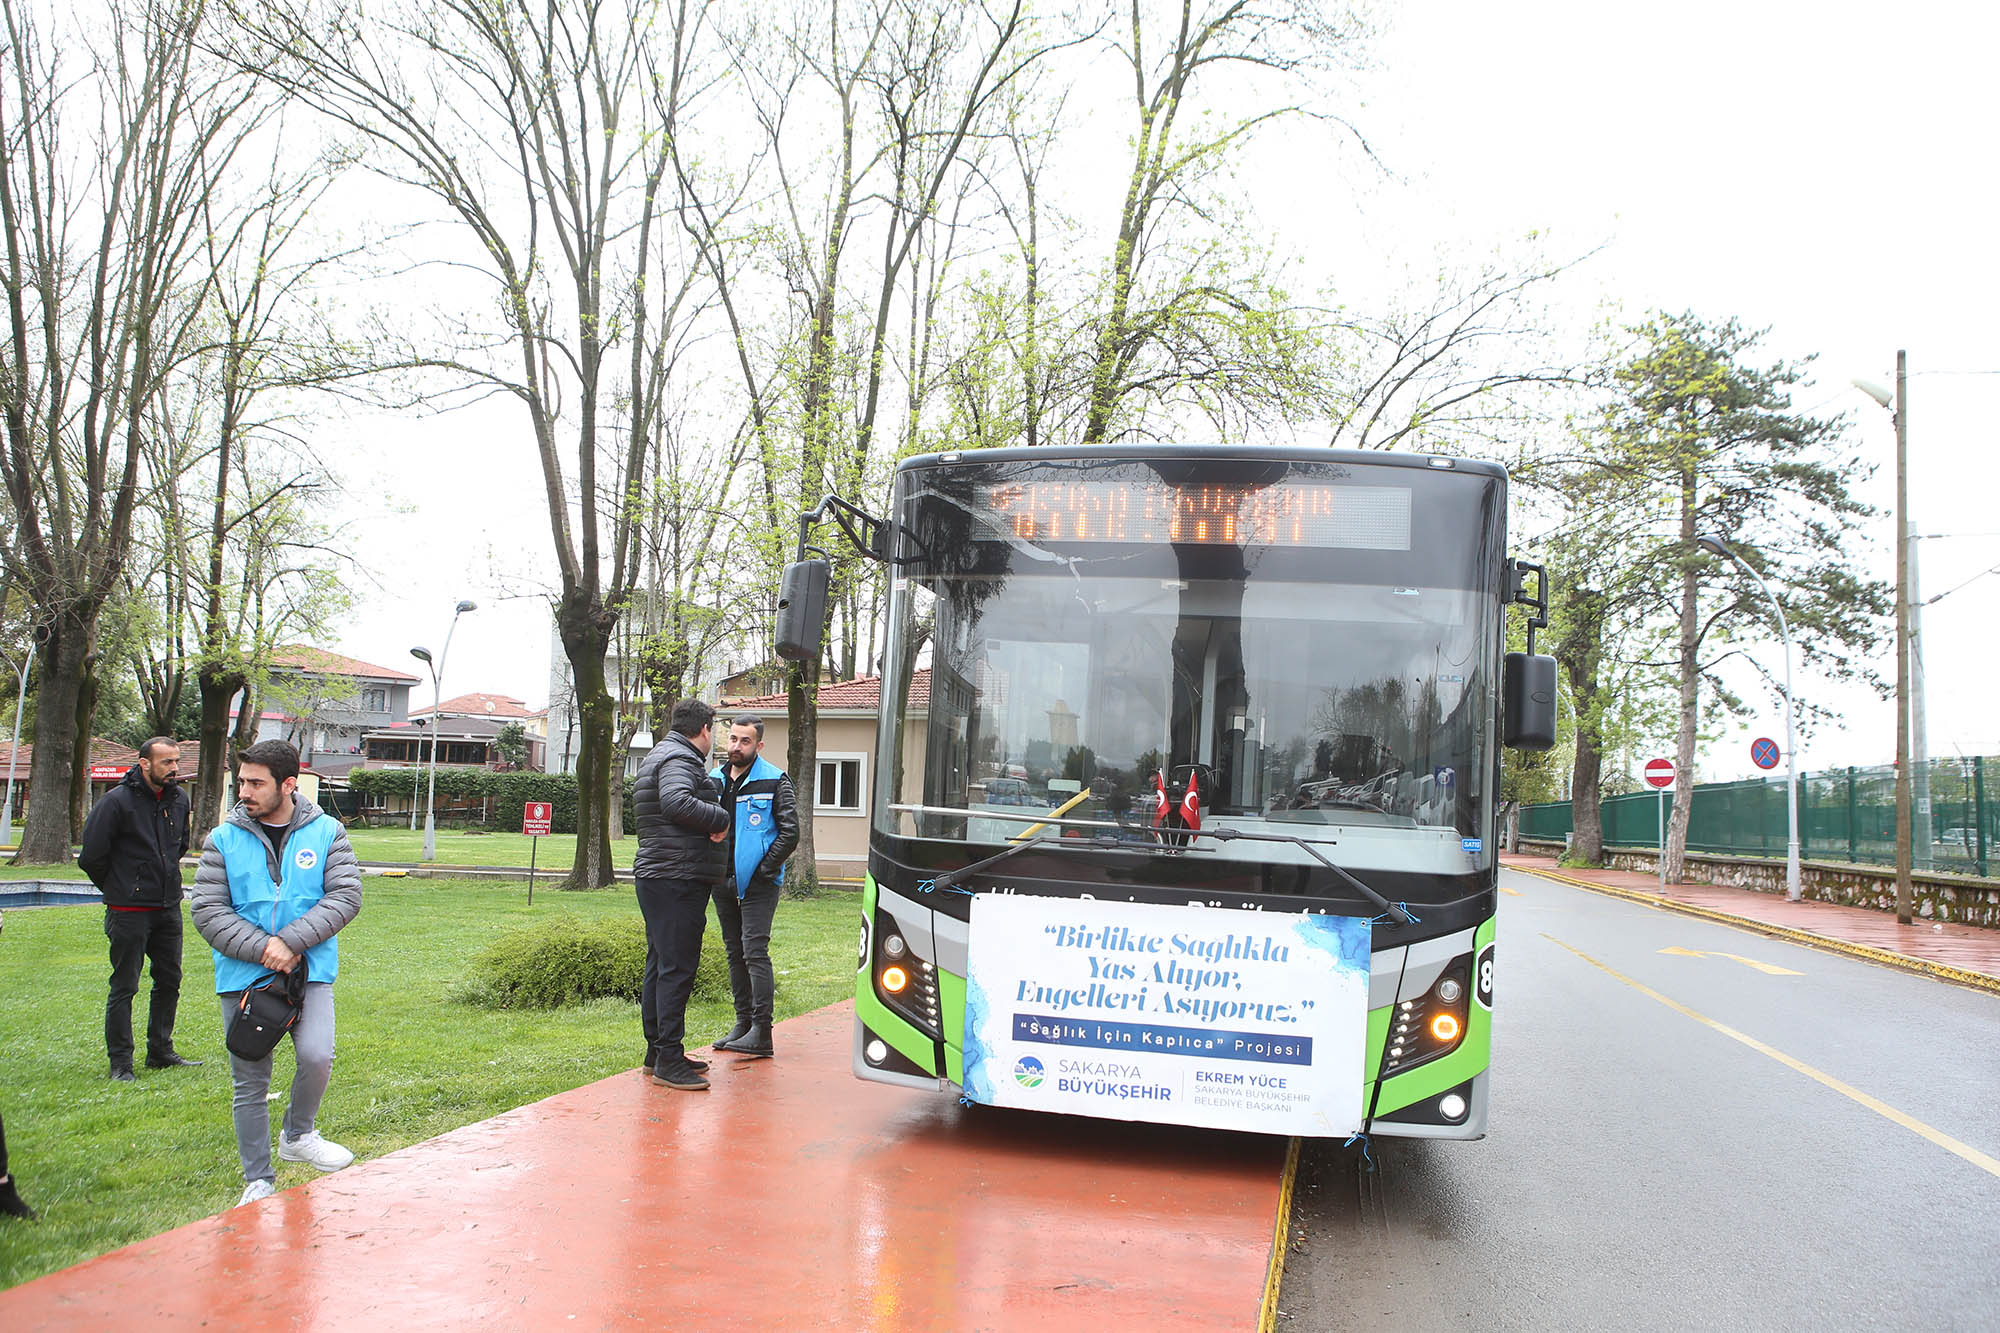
563,961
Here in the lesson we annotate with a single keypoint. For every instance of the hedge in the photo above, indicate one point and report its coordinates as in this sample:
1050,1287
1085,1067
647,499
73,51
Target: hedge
505,794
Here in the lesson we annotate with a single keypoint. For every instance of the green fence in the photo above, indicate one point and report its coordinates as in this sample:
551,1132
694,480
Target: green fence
1845,814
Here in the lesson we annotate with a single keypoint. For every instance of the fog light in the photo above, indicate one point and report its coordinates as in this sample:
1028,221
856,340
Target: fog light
895,980
1451,1106
1445,1027
876,1051
1450,989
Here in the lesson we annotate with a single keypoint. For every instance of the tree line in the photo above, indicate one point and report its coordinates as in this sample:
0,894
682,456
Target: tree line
721,261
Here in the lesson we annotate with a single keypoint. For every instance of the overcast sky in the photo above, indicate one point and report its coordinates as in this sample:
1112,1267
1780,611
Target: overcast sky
1820,169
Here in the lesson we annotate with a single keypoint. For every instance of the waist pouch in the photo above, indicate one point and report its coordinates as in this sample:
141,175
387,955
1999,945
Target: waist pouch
265,1013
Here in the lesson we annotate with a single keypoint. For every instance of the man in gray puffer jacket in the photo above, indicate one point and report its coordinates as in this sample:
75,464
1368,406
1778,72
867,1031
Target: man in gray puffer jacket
681,827
278,881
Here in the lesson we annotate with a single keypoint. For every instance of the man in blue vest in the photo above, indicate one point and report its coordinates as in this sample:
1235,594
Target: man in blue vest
763,831
277,882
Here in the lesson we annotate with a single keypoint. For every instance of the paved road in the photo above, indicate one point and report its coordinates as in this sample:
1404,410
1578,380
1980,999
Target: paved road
1645,1170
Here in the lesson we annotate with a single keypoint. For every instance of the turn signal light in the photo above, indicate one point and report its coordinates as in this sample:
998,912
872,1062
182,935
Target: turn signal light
1444,1027
895,980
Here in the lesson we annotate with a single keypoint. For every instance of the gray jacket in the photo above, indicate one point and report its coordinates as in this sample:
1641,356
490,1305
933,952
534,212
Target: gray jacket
228,932
676,806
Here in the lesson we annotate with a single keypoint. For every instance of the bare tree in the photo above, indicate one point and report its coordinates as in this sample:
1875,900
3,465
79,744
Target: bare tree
103,278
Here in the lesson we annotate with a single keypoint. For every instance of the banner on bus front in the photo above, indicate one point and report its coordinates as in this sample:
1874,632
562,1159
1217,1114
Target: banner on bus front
1215,1017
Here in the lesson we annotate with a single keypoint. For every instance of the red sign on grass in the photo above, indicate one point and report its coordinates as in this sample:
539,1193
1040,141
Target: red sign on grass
536,817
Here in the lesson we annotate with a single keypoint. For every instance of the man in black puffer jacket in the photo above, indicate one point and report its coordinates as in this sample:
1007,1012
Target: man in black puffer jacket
681,827
133,842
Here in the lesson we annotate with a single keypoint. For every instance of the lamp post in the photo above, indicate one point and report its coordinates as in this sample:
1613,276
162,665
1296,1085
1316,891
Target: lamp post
1898,406
14,753
1792,888
437,724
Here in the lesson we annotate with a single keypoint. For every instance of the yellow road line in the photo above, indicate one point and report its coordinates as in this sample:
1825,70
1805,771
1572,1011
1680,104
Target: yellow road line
1943,1140
1281,1240
1942,971
1515,892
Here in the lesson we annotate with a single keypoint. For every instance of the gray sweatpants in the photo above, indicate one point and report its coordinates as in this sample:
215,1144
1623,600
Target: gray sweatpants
312,1046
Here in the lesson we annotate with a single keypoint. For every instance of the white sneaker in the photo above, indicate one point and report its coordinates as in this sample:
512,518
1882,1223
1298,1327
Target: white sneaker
313,1150
255,1190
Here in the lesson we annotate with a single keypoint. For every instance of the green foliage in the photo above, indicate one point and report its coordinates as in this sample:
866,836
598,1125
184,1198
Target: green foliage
512,743
566,961
503,794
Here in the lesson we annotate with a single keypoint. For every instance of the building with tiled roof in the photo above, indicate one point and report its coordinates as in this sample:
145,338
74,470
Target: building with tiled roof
326,702
480,705
843,768
108,763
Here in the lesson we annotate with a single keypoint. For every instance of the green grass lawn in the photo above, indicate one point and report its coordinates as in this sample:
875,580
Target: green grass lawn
110,1163
455,847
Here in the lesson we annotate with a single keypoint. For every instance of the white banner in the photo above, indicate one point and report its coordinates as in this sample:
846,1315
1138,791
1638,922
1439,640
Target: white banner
1179,1015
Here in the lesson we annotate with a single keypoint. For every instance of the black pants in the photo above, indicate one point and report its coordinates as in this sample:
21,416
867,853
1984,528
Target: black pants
142,937
746,938
676,913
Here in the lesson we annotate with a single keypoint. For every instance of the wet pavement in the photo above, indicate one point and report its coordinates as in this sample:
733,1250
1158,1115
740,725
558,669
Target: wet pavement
1939,948
793,1195
1693,1127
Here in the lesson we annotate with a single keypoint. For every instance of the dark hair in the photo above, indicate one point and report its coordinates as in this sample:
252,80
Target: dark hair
689,717
749,720
155,742
281,757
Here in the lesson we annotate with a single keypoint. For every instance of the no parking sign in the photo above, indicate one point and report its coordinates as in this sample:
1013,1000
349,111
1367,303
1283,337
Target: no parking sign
1764,752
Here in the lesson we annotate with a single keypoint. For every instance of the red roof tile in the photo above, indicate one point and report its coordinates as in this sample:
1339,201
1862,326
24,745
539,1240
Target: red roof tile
480,705
300,657
862,694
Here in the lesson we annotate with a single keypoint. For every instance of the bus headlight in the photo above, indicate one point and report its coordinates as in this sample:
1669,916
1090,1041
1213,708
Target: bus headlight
1430,1025
893,946
895,980
1445,1028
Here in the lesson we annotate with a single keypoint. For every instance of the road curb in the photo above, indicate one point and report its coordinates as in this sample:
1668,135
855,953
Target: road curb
1941,971
1281,1240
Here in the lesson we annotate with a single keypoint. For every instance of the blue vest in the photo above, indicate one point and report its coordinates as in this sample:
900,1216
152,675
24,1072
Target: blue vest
246,857
756,822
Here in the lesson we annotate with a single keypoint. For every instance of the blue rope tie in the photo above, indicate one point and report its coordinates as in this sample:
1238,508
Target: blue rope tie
1367,1157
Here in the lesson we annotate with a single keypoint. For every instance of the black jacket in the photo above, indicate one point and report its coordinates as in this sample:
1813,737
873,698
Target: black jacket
133,842
674,803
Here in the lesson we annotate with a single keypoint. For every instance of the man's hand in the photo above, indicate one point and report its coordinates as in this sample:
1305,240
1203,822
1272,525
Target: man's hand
278,956
718,835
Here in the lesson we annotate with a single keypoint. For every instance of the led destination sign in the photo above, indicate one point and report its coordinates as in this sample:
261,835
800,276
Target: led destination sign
1340,517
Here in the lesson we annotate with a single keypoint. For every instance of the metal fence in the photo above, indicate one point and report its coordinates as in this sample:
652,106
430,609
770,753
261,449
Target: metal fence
1845,814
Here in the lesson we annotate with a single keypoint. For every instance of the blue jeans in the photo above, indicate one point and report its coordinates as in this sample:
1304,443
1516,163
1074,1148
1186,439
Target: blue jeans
312,1046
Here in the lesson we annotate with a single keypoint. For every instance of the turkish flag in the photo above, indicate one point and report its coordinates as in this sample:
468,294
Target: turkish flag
1191,804
1160,798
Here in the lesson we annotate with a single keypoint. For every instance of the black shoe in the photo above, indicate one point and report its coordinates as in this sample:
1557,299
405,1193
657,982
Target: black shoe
736,1034
681,1076
12,1204
756,1043
652,1058
699,1066
123,1074
170,1060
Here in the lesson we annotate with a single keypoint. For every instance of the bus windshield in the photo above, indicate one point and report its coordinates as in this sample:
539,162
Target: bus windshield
1260,674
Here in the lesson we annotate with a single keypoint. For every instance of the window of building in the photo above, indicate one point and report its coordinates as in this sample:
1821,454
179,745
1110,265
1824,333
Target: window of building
840,784
375,701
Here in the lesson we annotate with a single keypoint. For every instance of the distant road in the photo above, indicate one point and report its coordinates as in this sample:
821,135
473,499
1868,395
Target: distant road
1835,1164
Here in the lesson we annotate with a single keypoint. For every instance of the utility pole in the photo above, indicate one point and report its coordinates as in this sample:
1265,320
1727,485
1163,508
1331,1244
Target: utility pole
1904,895
1920,742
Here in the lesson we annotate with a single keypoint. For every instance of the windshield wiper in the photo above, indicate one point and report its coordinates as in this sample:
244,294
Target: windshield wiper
952,878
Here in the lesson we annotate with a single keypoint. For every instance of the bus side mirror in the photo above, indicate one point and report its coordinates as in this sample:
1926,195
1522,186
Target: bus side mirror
1528,702
801,609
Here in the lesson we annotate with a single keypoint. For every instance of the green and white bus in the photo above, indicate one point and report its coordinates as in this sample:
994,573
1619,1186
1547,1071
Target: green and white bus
1260,678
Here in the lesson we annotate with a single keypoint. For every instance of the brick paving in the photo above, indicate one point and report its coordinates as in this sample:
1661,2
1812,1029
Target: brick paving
1936,947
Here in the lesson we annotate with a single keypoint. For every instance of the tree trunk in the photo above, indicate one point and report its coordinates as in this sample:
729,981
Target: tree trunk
45,832
79,774
801,761
1581,653
211,779
586,635
1689,646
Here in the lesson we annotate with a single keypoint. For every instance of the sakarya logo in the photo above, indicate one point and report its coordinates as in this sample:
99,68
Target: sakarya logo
306,859
1028,1072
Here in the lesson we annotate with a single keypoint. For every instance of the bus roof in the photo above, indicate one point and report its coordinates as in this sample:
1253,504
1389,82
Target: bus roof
1244,452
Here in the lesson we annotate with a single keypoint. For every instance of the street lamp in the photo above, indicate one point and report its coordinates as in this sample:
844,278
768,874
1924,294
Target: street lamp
1898,407
1793,892
437,724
